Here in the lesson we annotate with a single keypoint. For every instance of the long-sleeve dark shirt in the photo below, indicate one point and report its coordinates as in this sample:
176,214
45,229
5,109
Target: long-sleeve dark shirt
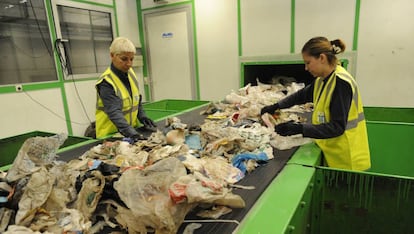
113,104
339,109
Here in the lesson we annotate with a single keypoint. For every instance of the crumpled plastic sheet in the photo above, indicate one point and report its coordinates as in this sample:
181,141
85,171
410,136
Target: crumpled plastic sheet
191,227
193,141
90,193
6,215
239,160
215,212
35,152
16,229
145,193
197,188
35,195
220,169
284,143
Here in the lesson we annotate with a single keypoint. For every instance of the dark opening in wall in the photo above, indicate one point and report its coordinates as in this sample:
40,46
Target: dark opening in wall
268,73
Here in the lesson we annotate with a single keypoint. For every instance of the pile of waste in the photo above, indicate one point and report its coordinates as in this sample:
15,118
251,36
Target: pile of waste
147,186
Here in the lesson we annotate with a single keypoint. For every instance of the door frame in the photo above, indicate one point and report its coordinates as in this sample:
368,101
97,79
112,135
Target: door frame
186,8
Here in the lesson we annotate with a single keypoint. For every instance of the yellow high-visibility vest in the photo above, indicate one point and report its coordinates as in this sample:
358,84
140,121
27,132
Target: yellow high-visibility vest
349,150
104,126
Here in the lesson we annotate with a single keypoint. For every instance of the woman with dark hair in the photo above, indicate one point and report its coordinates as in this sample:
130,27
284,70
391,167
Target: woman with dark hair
338,123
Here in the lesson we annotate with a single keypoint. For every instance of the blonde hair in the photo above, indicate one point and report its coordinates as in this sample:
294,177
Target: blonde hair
120,45
321,45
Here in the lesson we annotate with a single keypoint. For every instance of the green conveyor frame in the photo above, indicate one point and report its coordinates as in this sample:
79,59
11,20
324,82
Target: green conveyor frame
301,200
167,108
285,205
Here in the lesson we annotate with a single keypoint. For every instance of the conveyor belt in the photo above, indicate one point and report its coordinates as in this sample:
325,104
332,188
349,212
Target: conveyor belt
261,177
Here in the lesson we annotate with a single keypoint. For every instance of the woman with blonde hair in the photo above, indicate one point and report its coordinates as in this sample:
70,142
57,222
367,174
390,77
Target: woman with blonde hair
118,103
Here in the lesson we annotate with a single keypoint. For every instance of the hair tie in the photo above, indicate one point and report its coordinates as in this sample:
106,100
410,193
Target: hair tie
336,49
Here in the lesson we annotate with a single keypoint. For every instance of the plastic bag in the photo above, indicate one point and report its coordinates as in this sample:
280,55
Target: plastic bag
240,159
35,195
288,142
218,168
90,193
35,152
145,193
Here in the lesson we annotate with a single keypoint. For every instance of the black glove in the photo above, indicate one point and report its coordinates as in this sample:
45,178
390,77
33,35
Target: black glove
137,137
142,117
289,128
270,109
147,122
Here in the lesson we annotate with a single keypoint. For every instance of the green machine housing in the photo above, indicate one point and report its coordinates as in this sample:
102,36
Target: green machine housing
308,198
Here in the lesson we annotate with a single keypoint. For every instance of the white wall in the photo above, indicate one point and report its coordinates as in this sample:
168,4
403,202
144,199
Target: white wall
385,69
216,24
126,11
330,18
265,27
28,111
81,99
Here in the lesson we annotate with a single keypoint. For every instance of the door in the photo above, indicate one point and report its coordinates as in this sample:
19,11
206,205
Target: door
170,53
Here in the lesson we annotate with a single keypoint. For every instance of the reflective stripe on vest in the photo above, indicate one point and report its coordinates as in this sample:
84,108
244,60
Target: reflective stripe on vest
351,123
349,150
130,103
118,93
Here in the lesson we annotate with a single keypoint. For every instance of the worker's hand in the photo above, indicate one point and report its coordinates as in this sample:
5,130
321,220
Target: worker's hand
147,122
138,137
142,117
289,128
270,109
132,139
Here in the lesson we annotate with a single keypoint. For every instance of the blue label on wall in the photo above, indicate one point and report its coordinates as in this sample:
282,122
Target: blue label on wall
167,35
